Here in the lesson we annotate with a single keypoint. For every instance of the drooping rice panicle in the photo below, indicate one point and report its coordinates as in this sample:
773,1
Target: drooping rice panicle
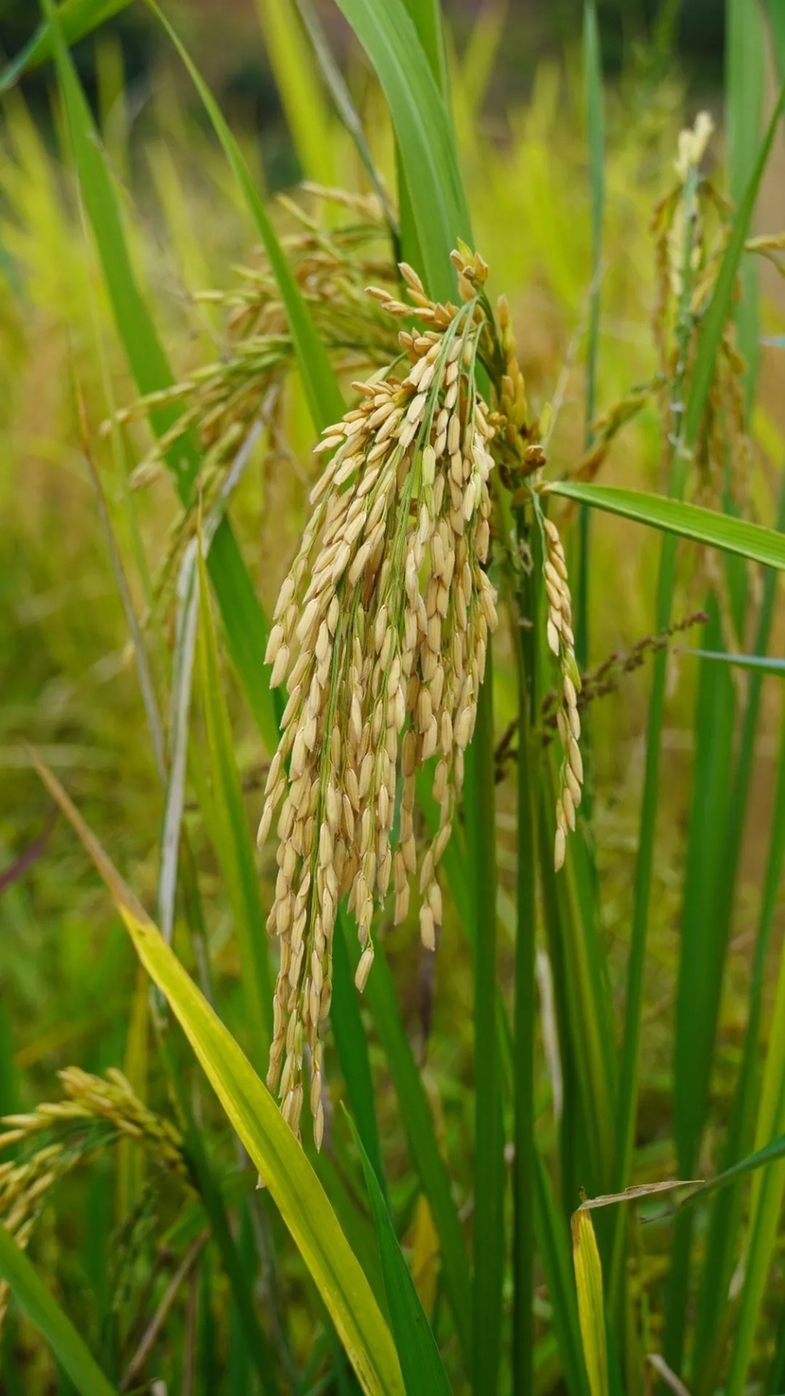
381,632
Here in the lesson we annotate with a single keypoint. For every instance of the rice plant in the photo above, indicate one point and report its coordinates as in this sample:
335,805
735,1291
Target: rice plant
466,1076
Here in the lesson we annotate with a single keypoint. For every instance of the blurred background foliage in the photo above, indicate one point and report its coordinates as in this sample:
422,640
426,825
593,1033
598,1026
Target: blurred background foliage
68,979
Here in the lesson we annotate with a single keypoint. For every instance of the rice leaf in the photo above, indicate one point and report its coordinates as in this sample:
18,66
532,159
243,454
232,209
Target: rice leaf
525,1016
698,388
183,653
588,1282
776,15
702,945
342,101
245,628
761,1158
301,95
426,15
146,685
415,1115
77,18
766,1195
724,1230
634,1194
758,663
231,833
592,82
745,81
583,1006
713,530
321,386
352,1047
43,1310
725,1219
421,1364
251,1110
422,128
489,1239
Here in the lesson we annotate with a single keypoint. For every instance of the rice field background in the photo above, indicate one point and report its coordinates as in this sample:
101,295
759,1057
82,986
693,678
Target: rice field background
183,311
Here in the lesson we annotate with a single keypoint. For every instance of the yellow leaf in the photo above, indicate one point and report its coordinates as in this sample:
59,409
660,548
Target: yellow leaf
591,1310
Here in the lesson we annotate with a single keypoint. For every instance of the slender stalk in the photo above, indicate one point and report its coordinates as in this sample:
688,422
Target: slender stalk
489,1137
592,78
723,1232
677,471
524,1163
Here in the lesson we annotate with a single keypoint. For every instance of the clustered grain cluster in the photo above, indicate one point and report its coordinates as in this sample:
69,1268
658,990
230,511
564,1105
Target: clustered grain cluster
561,643
57,1135
381,631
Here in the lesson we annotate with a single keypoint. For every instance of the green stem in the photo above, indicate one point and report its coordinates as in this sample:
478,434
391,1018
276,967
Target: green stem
725,1218
523,1165
489,1136
630,1056
592,76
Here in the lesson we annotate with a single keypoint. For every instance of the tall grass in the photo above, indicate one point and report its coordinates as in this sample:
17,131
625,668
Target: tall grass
486,1171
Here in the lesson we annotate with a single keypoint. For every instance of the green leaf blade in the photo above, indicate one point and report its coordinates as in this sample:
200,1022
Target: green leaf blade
690,521
421,1364
43,1310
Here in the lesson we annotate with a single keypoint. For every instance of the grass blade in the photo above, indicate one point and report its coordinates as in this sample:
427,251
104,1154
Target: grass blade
592,82
76,19
344,105
702,951
146,685
251,1110
489,1241
421,1364
702,373
726,1217
415,1115
777,28
757,663
583,1008
351,1045
43,1310
525,950
766,1194
233,840
184,650
301,95
321,387
745,81
423,132
426,15
245,627
704,526
702,954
